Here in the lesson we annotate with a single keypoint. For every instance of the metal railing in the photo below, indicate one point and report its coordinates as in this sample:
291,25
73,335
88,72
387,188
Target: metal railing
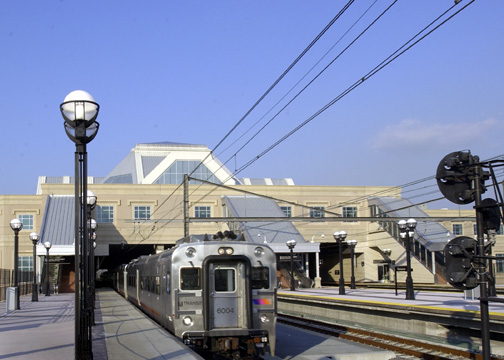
25,281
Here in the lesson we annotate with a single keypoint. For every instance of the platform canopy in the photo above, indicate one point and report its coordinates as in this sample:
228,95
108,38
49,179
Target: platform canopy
274,234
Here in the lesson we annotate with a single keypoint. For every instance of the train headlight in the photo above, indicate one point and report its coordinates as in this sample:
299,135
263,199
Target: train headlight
263,318
225,250
259,251
190,252
187,320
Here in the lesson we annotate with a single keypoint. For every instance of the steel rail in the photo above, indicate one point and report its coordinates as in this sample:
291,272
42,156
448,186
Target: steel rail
411,347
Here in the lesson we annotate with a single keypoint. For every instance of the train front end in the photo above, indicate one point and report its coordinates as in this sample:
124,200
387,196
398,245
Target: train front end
226,300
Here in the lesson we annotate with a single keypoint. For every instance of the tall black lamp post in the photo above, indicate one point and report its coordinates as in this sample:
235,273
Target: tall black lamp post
80,112
352,244
34,237
92,272
47,245
340,236
407,231
291,244
16,225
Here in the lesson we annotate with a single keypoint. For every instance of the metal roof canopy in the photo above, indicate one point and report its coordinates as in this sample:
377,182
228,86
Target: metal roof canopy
432,235
274,234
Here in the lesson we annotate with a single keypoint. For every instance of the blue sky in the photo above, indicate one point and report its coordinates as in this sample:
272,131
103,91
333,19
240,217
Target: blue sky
187,71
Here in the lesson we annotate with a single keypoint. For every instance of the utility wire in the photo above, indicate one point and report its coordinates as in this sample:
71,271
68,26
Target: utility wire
314,41
301,79
405,47
286,71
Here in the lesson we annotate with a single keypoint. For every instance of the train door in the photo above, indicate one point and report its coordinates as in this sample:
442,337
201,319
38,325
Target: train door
228,304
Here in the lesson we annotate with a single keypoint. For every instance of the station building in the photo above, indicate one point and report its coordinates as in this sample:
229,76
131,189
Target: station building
140,210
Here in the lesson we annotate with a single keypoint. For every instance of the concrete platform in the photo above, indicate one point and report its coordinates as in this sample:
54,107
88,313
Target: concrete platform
449,318
129,334
45,330
299,344
433,301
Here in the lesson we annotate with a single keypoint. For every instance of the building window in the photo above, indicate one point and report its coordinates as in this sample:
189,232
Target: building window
349,211
142,212
104,214
202,211
175,173
27,221
500,263
457,229
287,210
25,263
317,212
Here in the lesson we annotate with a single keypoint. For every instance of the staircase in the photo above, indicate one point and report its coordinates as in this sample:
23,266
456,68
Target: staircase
284,276
430,237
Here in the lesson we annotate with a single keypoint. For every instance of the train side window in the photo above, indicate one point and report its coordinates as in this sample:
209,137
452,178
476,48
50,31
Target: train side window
152,283
260,278
168,283
158,286
224,280
190,279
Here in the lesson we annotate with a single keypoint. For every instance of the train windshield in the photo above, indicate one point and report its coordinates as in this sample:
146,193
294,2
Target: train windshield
260,278
190,279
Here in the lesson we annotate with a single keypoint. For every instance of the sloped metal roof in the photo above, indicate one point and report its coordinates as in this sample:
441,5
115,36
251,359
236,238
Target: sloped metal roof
59,219
274,234
432,235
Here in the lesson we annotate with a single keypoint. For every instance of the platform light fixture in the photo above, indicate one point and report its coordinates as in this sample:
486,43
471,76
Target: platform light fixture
340,236
47,246
34,237
79,110
407,232
352,243
16,225
291,244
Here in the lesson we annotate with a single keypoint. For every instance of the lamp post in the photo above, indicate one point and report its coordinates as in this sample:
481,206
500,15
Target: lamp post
291,244
79,110
16,225
340,236
47,245
352,244
34,237
92,273
407,231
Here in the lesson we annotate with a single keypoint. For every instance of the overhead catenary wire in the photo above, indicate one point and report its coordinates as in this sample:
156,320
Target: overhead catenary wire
408,45
400,51
301,79
275,83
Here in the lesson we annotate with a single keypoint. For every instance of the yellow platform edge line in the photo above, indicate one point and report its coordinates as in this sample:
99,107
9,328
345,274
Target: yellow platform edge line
388,303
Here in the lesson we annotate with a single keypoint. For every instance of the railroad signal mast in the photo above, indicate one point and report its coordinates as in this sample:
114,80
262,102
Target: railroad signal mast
461,179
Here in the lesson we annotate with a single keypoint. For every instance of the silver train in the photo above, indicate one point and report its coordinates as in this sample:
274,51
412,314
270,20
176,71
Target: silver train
216,294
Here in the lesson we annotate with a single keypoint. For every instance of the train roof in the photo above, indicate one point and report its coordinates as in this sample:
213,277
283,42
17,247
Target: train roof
226,236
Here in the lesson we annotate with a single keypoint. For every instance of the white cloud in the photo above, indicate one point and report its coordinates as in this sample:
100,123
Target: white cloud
415,134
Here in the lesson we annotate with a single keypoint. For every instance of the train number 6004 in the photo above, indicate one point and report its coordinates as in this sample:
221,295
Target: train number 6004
225,310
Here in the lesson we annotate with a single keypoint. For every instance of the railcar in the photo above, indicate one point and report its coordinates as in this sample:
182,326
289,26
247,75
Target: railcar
216,294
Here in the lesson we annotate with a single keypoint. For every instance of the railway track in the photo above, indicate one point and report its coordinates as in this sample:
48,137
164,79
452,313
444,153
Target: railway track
402,345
